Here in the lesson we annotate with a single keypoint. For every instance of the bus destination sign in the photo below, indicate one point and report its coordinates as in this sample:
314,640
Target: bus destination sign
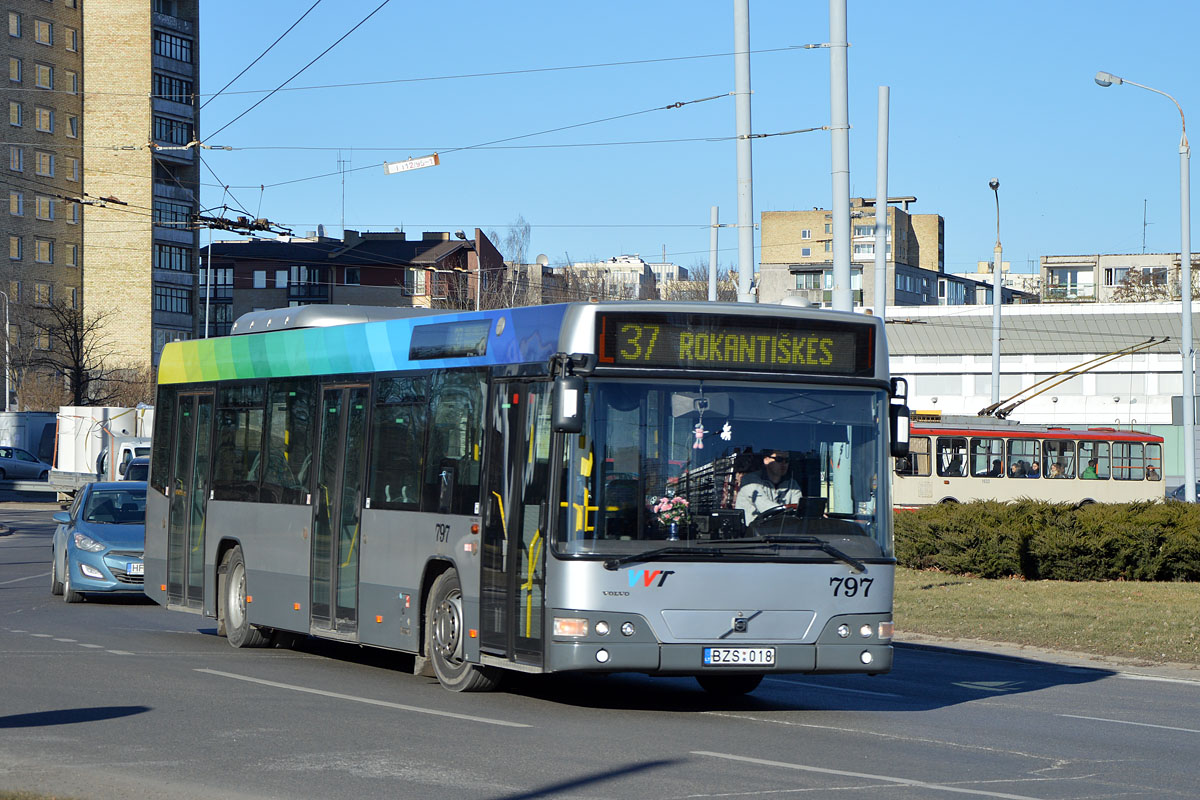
730,342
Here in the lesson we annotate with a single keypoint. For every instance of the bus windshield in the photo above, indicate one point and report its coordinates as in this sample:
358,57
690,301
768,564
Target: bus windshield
712,469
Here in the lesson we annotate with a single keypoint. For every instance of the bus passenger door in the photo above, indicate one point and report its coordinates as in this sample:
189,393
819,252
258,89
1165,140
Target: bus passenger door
188,487
340,459
514,545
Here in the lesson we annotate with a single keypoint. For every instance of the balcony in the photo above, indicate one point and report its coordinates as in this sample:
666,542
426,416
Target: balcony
1070,293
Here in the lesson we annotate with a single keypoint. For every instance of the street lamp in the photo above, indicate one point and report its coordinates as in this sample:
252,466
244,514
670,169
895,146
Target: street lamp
1185,275
997,297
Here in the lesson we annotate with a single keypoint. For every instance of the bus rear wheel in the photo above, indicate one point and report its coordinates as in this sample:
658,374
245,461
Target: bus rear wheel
729,685
238,629
444,639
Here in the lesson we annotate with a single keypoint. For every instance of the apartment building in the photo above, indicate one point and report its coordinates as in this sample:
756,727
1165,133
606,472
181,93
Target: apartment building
1113,277
102,171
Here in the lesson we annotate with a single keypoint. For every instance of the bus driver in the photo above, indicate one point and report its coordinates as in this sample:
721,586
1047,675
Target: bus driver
768,488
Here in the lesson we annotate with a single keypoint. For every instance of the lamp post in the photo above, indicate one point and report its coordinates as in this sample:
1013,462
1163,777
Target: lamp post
997,297
1185,275
6,335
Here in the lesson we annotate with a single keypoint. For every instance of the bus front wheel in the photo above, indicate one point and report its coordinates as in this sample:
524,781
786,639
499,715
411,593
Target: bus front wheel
444,639
238,629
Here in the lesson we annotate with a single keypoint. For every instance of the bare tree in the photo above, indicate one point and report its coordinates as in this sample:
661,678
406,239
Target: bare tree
65,345
1140,286
694,290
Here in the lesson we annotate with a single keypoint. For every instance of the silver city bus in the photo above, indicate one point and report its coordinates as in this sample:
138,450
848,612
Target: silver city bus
690,489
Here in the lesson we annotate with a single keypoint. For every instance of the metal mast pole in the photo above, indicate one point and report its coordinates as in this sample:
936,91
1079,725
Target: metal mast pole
745,181
839,117
997,296
713,225
881,206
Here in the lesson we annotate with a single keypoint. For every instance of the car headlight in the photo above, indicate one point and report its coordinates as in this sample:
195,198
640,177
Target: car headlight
87,543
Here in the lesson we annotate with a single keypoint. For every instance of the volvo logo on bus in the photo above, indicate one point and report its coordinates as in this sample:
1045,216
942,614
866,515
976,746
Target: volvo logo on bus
647,577
739,624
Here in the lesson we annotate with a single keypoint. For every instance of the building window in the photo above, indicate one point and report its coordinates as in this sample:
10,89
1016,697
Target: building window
14,248
805,234
43,294
173,299
829,227
45,207
171,131
172,46
16,203
170,213
43,32
73,127
168,87
41,339
75,214
14,113
172,257
829,246
14,24
72,39
44,251
416,282
808,280
74,297
353,276
281,279
14,69
43,119
72,168
43,76
72,3
16,159
260,279
72,82
308,284
72,256
14,291
222,283
43,163
805,252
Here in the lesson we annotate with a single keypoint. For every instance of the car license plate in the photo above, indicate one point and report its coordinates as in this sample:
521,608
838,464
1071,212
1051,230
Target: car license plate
739,656
135,568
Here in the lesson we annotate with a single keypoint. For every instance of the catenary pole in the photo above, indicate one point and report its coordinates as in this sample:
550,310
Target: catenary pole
881,206
745,181
839,117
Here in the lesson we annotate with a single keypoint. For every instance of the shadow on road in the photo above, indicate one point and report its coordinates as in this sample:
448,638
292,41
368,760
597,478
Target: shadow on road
69,716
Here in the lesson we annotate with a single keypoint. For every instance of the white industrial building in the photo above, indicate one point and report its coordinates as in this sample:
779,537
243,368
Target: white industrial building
945,352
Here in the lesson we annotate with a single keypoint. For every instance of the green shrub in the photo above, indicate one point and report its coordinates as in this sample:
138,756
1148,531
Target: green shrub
1039,540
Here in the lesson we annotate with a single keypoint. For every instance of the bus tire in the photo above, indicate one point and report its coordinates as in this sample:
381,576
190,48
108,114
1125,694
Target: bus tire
238,629
729,685
444,639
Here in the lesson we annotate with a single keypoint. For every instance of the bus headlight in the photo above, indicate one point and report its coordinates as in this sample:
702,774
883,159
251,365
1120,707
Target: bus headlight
570,626
843,630
865,631
627,629
866,657
601,628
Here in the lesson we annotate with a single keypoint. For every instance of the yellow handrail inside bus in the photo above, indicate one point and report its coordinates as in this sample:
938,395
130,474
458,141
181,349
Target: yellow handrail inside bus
535,548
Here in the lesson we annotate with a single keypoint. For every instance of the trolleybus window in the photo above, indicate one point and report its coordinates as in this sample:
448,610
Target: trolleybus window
1128,461
1095,459
987,458
1022,455
951,456
1058,458
680,453
917,461
1154,462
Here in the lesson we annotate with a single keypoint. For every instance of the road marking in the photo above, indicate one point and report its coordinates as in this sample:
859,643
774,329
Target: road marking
42,635
865,775
70,641
367,700
81,644
1126,722
26,578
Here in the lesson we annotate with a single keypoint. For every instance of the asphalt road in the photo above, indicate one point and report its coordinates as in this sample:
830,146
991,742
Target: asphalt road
118,698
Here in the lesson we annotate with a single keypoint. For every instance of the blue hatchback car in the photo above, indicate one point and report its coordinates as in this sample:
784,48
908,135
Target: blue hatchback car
98,545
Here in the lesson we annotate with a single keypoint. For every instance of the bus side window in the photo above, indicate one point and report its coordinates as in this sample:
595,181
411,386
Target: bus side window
987,458
1154,462
951,456
1094,459
917,461
452,463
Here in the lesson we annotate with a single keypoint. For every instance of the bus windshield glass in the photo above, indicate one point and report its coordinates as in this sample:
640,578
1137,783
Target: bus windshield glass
714,469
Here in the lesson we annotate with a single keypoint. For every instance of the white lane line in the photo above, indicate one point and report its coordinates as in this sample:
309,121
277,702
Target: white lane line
824,688
69,641
119,652
42,635
26,578
1126,722
367,700
81,644
940,787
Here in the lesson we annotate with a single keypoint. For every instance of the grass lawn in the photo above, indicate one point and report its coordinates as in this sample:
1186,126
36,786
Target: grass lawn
1151,622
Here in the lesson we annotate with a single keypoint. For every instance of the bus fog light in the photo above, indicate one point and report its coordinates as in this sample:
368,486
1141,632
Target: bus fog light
570,626
887,629
602,656
865,631
602,628
91,571
843,631
627,629
866,657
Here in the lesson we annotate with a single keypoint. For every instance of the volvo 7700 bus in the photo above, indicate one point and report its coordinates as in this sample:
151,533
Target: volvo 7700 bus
663,488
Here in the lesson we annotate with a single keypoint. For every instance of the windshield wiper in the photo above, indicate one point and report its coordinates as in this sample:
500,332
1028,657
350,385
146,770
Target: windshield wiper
804,541
676,550
820,544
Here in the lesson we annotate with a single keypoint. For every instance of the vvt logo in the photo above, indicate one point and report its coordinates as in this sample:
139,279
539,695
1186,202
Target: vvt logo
646,577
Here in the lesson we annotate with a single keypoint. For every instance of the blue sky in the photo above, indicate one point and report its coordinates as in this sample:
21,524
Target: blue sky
978,90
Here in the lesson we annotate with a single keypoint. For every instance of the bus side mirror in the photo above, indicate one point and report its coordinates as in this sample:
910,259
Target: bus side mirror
566,404
898,417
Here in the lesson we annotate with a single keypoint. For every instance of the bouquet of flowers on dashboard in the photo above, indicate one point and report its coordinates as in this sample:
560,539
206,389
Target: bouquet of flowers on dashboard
670,509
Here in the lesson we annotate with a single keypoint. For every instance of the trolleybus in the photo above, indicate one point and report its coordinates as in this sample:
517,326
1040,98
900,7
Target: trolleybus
543,489
960,459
